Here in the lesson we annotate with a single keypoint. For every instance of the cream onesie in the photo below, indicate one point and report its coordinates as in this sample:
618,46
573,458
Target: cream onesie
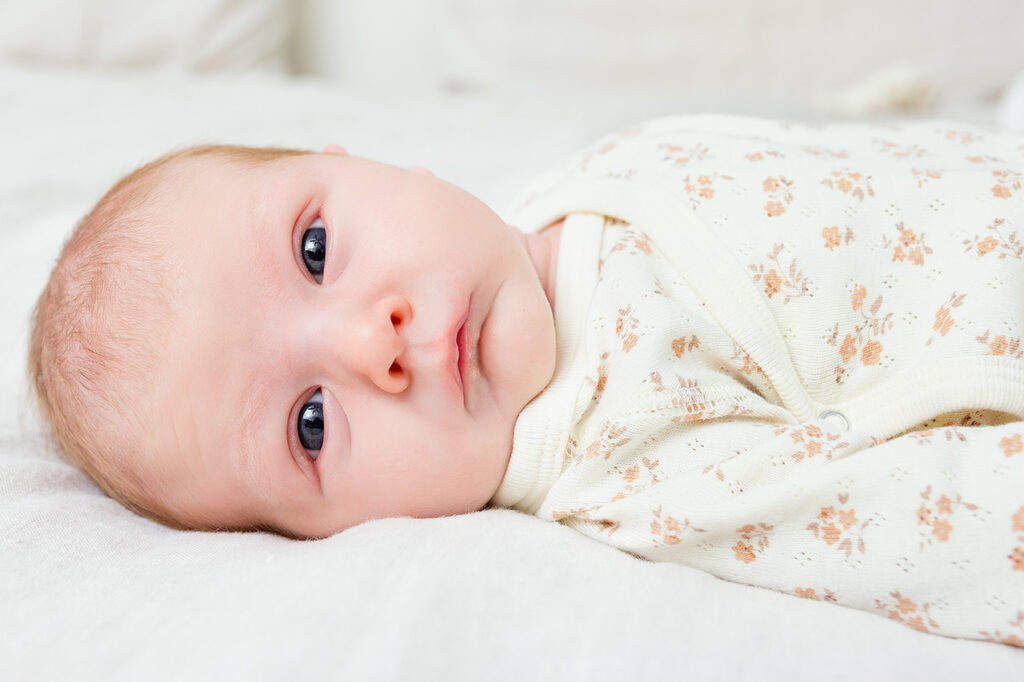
792,356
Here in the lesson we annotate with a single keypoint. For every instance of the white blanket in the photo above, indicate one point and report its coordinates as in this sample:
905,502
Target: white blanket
91,591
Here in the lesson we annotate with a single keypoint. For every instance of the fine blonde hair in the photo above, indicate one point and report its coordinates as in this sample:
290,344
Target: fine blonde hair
99,327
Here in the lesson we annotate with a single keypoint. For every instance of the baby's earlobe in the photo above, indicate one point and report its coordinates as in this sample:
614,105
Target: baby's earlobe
335,149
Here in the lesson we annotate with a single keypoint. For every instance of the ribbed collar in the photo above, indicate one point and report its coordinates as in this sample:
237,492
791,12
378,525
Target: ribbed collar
542,429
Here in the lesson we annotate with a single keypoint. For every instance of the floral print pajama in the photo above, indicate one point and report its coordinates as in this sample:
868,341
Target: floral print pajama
792,356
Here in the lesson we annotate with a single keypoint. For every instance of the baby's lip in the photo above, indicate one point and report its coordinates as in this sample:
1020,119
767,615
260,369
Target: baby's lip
465,353
454,335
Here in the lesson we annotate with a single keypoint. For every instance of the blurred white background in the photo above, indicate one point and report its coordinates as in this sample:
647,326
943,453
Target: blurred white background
798,58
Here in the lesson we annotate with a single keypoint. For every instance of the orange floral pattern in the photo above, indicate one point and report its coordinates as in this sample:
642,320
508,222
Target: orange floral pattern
799,270
936,516
637,477
980,158
638,242
1003,245
606,527
817,150
811,593
840,528
1014,638
1000,344
926,175
600,380
1010,445
690,403
611,437
811,440
924,437
762,155
667,530
962,136
834,237
908,247
1006,183
906,610
849,182
791,283
680,155
862,343
1017,553
626,325
683,344
701,188
753,542
944,316
901,151
779,191
744,362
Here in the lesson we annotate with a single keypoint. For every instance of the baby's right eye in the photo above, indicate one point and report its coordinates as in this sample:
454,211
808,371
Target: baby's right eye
314,249
310,425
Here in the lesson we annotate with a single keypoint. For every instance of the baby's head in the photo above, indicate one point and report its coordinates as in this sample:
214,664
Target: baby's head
255,338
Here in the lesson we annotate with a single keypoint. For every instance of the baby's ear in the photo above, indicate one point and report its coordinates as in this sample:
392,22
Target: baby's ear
335,149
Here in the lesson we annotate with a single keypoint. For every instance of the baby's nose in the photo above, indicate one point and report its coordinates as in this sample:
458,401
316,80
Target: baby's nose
378,344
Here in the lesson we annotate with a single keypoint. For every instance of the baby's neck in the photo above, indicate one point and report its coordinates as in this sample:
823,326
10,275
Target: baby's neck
543,250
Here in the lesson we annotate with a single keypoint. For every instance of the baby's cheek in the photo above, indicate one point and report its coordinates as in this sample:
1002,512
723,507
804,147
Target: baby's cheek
517,343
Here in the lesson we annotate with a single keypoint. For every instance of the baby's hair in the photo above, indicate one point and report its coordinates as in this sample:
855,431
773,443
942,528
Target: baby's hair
100,325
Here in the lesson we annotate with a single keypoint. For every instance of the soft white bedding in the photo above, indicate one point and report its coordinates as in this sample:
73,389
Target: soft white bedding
90,591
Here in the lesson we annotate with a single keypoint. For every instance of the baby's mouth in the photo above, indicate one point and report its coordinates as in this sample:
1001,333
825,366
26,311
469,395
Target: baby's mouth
464,353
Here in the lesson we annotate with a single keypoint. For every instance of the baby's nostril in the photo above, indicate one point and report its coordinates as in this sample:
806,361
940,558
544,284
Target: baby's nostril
395,320
395,369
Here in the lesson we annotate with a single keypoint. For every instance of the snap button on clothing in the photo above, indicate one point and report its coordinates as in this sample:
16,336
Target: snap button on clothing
836,418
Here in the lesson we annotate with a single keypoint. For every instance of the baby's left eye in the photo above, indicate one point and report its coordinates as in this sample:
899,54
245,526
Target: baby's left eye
314,249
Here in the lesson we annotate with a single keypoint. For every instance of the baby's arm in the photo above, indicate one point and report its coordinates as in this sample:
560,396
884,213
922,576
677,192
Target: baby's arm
927,528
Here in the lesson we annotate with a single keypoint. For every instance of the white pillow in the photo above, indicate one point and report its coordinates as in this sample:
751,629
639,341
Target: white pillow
1011,113
197,35
743,54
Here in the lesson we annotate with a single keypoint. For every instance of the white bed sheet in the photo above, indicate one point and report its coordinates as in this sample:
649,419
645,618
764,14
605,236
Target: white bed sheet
90,591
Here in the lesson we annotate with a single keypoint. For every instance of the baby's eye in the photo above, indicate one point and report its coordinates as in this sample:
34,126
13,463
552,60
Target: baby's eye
310,425
314,249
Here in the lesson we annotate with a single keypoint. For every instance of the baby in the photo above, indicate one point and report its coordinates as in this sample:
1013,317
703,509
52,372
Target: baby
237,338
746,346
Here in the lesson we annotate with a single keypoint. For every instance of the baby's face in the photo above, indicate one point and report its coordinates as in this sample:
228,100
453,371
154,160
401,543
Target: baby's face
321,378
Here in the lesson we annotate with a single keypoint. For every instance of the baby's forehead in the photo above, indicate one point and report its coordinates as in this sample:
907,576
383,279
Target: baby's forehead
217,192
227,232
188,174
